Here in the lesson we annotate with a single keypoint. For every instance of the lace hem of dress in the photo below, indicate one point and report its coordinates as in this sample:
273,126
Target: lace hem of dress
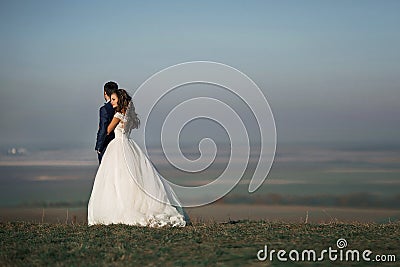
155,221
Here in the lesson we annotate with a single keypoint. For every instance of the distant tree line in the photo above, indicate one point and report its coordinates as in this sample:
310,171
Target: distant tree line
359,200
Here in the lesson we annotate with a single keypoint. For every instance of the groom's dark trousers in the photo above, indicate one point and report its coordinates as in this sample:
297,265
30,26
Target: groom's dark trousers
106,115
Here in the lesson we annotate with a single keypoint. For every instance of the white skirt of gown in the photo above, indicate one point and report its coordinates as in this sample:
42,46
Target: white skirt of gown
127,189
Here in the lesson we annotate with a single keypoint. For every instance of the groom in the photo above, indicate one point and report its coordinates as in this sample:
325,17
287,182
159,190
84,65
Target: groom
106,115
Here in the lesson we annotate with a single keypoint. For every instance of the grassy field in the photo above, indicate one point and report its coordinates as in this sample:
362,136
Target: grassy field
222,213
234,243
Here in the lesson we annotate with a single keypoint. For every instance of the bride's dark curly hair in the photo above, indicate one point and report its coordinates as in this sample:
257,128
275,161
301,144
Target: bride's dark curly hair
124,99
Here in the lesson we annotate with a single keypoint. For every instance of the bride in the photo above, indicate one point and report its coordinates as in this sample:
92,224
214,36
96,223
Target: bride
127,188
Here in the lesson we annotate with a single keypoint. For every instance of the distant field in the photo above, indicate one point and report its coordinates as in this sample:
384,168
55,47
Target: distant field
222,213
235,243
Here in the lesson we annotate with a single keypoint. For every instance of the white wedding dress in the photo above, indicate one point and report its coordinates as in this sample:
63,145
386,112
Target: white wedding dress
128,190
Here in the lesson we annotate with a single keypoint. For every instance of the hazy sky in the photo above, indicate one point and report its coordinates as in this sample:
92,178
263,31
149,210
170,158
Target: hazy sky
329,69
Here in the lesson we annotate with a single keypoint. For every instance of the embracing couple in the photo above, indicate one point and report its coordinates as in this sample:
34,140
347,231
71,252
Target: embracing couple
127,188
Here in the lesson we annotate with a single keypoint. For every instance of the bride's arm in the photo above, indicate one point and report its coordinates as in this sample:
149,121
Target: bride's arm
112,125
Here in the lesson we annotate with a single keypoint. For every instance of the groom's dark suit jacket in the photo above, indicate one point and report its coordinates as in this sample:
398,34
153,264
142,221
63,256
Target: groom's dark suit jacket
106,115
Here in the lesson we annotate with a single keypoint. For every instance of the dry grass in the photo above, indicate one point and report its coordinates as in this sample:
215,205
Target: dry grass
234,243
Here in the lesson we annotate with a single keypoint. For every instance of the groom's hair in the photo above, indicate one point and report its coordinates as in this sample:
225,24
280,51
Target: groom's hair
110,88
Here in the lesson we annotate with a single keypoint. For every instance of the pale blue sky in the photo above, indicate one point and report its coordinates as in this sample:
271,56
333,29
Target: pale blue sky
329,69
